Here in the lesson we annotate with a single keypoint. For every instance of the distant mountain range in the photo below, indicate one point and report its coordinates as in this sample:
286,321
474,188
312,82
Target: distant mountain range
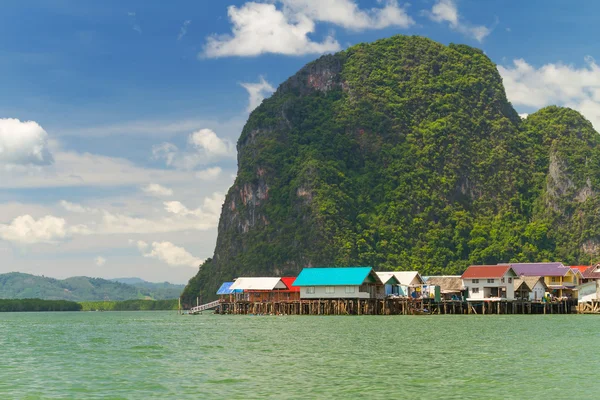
16,285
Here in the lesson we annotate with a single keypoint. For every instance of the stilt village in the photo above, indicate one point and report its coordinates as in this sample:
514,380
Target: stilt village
522,288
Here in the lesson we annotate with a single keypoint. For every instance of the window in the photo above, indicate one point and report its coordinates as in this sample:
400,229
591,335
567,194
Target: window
490,280
475,290
329,289
475,280
310,290
509,280
553,279
350,289
502,280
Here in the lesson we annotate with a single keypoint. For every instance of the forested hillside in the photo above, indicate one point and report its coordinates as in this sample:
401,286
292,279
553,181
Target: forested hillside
404,154
16,285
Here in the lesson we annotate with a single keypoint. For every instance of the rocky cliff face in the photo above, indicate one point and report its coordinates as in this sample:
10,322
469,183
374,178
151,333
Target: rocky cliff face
403,154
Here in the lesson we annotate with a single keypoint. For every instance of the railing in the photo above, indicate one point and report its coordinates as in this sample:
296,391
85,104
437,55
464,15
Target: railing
206,306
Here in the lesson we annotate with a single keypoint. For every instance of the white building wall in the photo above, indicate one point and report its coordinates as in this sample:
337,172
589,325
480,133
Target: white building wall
484,288
339,293
589,291
537,292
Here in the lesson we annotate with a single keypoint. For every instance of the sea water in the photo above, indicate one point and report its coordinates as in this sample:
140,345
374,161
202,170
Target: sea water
162,355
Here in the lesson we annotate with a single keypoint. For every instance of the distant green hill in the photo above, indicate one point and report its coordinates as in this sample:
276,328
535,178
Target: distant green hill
17,285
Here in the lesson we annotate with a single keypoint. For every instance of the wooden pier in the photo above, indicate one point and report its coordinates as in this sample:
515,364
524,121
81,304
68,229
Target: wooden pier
589,307
395,307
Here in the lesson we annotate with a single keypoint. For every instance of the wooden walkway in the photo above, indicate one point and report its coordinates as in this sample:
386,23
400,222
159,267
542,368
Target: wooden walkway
204,307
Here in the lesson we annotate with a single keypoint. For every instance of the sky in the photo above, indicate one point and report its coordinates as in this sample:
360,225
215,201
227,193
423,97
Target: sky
119,119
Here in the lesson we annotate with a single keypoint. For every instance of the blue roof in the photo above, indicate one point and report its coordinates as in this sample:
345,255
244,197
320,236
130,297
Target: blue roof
225,289
335,276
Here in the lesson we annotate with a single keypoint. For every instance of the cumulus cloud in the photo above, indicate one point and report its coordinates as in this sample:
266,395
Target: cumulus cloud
207,140
555,83
261,28
154,189
347,14
447,11
203,146
170,254
257,92
100,261
23,143
49,229
209,174
183,29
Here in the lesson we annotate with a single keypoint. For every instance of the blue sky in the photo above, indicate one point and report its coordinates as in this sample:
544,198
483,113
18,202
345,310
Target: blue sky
118,119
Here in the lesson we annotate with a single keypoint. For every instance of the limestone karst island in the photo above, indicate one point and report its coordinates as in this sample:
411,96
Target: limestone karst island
405,154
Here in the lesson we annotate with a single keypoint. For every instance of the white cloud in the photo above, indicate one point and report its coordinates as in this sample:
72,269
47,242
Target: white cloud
170,254
209,174
49,229
523,115
154,128
204,146
84,169
23,143
566,85
347,14
140,244
446,11
211,206
76,208
154,189
206,139
180,218
257,92
134,23
261,28
183,29
100,261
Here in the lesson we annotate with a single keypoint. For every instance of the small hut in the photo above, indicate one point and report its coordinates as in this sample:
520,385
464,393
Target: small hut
451,286
532,288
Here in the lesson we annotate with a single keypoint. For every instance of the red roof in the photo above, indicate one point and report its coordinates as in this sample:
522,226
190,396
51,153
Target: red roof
289,280
487,271
581,268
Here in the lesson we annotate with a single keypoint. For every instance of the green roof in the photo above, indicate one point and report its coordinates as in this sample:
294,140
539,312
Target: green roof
336,276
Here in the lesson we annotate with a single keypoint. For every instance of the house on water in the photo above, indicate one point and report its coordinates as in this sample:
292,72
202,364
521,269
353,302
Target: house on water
260,289
561,280
451,286
227,294
592,273
532,288
408,281
292,292
391,284
340,283
489,282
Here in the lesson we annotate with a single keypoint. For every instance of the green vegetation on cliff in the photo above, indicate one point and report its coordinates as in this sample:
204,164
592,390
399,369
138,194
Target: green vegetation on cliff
404,154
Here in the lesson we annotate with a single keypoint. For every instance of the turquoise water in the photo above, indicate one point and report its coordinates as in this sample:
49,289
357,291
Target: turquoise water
160,355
